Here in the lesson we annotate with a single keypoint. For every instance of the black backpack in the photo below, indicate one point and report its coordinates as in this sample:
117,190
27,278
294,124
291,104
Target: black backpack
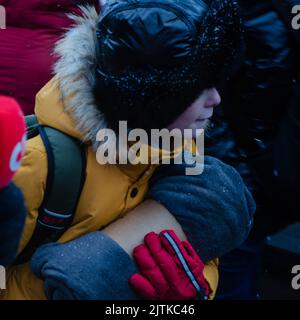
65,180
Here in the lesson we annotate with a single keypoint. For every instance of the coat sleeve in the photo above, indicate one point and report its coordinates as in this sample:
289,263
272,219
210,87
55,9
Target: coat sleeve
215,209
31,179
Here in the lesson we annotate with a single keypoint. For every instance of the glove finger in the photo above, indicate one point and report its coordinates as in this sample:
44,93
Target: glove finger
192,253
143,258
149,268
197,268
169,240
143,287
163,259
190,267
173,263
184,255
172,244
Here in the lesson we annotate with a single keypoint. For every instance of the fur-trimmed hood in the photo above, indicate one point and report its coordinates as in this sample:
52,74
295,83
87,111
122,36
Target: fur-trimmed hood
74,76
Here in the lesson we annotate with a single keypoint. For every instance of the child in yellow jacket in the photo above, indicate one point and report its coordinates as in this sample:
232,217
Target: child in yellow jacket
154,64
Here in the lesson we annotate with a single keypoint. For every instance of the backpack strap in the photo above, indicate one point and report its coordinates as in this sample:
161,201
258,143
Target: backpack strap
32,126
66,176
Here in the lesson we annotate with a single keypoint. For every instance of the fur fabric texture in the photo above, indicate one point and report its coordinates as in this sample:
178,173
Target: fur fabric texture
75,73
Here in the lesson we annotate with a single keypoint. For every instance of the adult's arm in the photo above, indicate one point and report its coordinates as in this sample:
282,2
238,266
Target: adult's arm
100,262
130,231
98,265
214,209
148,216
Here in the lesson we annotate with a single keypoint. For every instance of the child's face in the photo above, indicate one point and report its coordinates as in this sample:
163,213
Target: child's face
196,116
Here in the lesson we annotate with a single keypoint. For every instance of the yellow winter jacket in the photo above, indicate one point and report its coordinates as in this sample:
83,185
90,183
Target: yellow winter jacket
66,103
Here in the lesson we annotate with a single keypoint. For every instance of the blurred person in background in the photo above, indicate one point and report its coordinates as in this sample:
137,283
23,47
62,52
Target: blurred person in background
256,130
26,59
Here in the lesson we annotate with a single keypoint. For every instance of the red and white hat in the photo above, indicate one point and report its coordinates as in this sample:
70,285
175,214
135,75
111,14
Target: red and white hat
12,139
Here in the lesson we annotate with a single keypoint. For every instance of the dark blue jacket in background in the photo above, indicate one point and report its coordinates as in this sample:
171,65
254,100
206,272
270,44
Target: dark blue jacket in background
257,102
12,217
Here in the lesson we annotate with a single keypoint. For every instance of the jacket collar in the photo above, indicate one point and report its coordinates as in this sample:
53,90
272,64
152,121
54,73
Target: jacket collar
74,73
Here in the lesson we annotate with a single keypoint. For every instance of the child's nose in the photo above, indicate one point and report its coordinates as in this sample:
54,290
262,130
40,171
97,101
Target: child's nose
214,98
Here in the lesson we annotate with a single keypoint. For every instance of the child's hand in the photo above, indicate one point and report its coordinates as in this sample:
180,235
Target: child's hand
170,269
12,139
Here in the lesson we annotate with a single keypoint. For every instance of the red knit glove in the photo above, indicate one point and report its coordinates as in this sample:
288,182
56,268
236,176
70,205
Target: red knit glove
170,269
12,139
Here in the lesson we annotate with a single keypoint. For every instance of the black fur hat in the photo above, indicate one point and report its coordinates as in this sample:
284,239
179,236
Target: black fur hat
155,57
